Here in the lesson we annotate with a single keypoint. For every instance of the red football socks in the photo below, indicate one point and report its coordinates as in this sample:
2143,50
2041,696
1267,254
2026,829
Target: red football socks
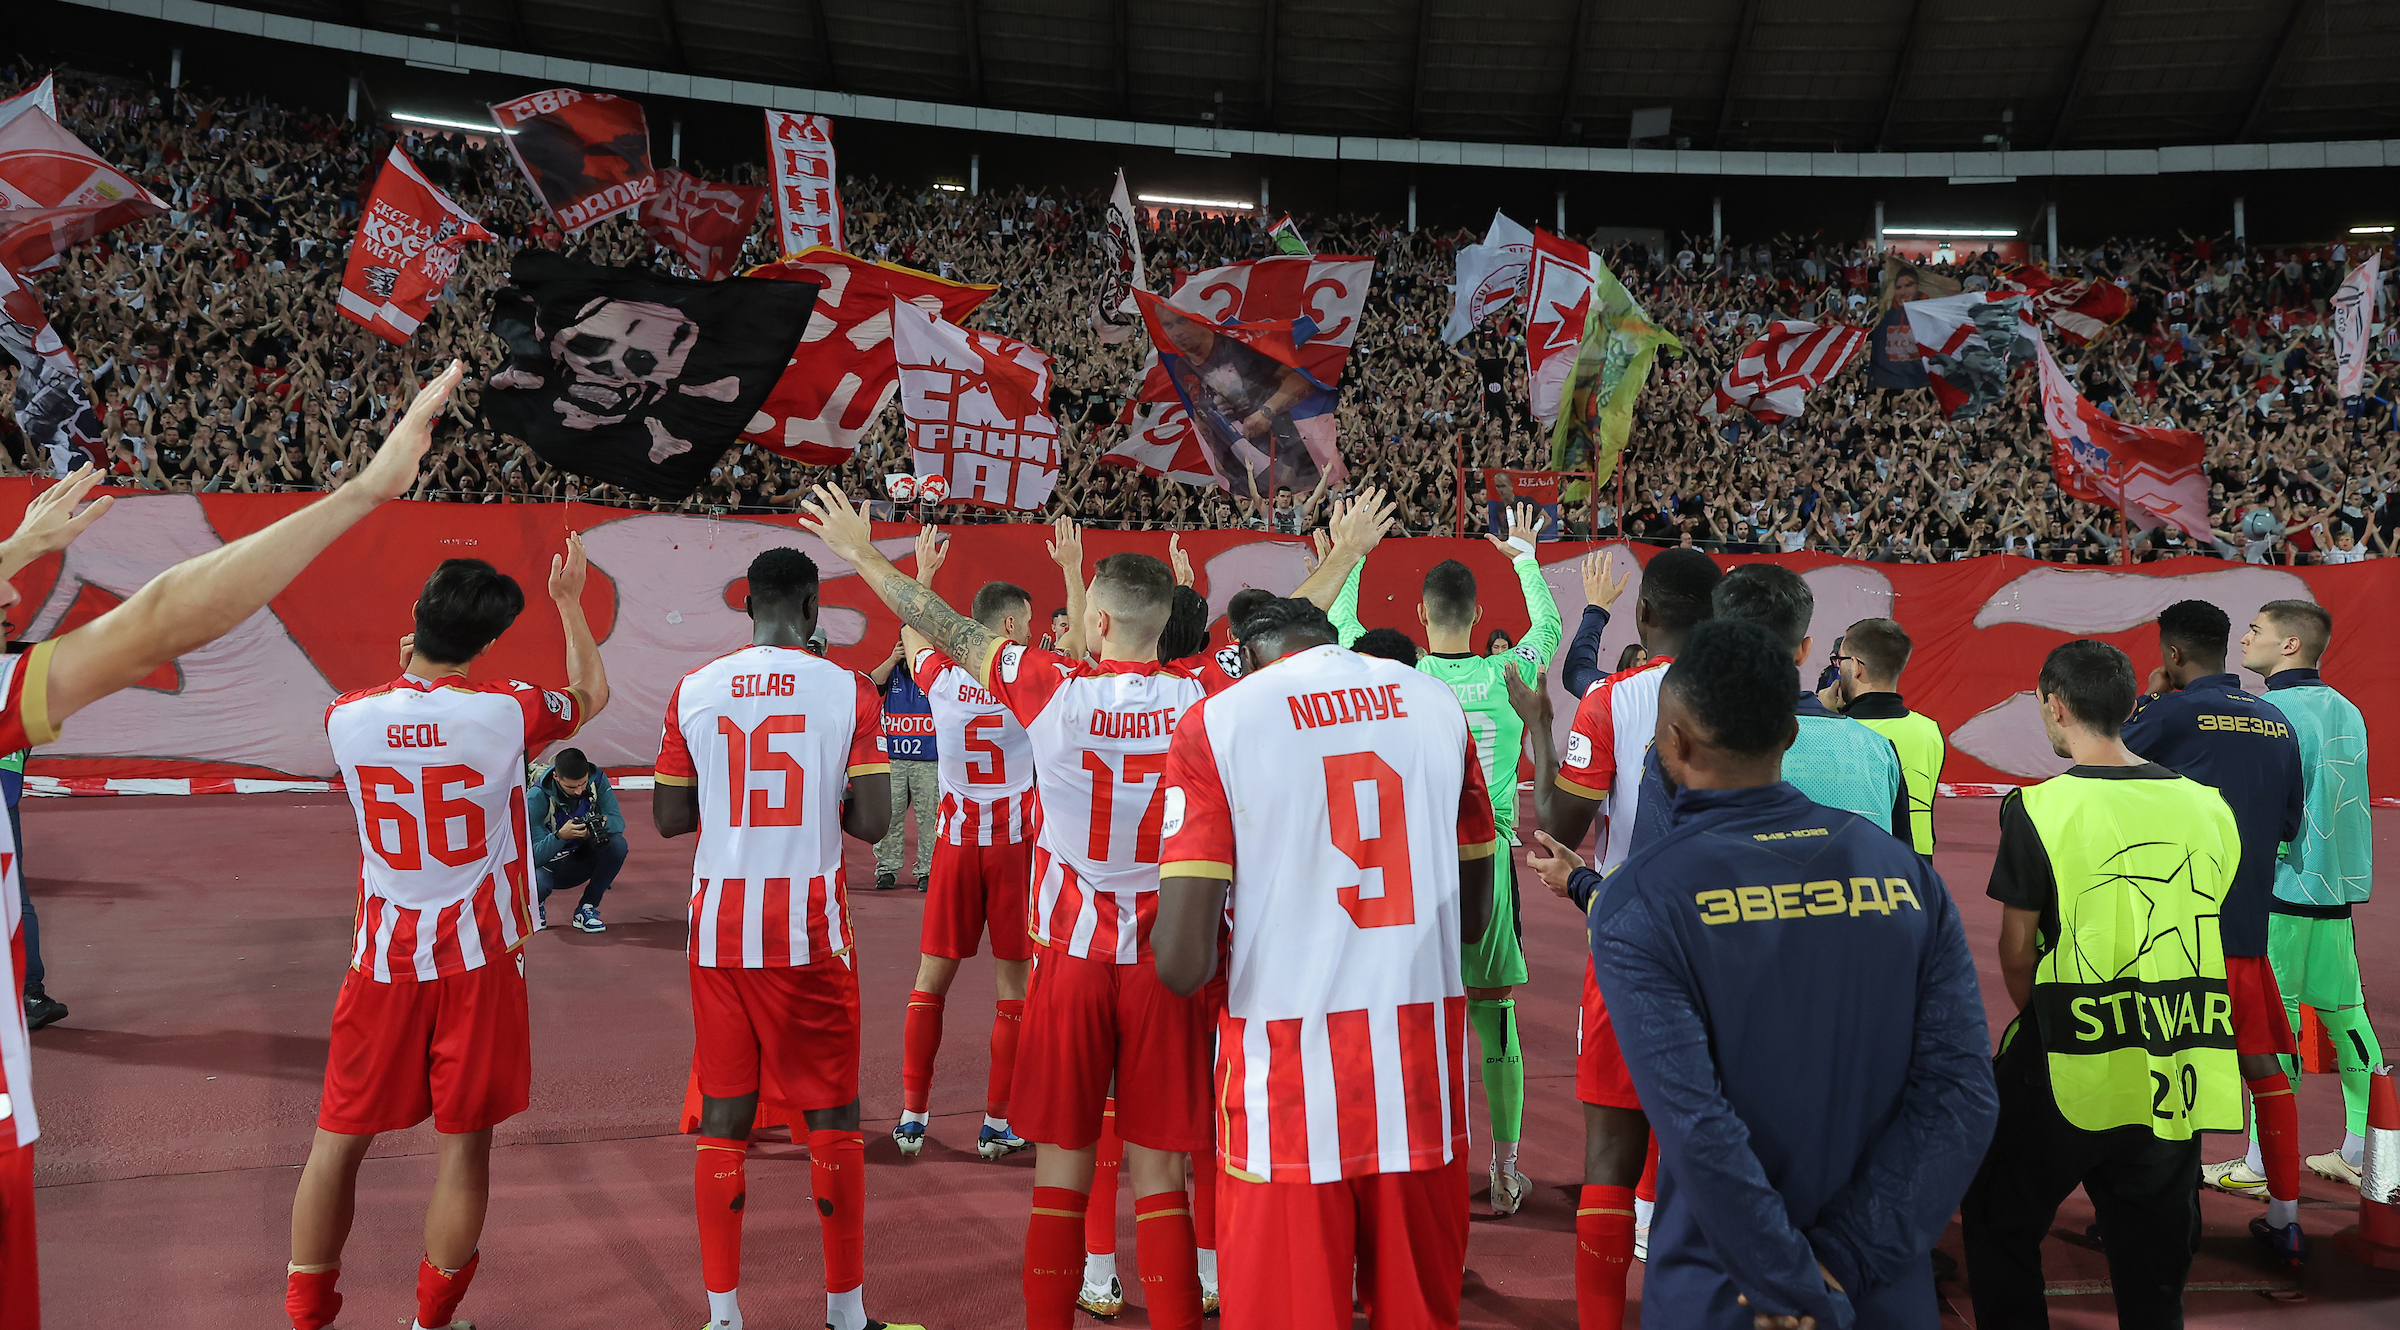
439,1291
1008,1021
718,1190
1170,1264
1603,1256
1100,1221
1054,1258
920,1039
309,1298
837,1175
2278,1112
1205,1167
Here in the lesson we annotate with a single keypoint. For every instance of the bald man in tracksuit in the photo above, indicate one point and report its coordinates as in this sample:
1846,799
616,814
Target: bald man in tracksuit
1813,1054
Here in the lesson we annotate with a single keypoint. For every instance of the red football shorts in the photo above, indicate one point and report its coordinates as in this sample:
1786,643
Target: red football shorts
974,887
1600,1074
457,1048
20,1281
2259,1022
1090,1022
794,1025
1285,1250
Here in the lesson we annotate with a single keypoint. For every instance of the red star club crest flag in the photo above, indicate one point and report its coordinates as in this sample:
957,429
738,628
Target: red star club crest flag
704,223
2149,474
586,153
1558,283
407,245
42,97
808,199
55,192
977,419
844,369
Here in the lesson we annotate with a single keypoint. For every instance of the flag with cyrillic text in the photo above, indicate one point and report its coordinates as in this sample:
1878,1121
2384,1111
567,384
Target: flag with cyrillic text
976,405
808,196
586,153
407,245
703,221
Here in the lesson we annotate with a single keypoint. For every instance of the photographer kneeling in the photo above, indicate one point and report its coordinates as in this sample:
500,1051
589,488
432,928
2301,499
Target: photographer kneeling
578,834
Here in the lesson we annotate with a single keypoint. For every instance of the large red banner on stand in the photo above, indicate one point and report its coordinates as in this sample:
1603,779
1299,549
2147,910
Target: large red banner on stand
666,592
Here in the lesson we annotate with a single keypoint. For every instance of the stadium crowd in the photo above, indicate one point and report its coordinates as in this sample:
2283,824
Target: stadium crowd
211,347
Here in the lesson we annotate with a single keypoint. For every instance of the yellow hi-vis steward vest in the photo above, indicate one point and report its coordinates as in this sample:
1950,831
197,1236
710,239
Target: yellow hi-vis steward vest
1919,742
2131,994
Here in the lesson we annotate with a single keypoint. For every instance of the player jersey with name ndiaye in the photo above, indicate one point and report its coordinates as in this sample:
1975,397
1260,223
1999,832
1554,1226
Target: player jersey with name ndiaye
1337,793
1099,733
984,761
436,774
770,735
24,722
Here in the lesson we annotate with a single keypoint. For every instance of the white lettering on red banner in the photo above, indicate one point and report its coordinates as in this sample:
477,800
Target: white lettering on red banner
976,408
808,201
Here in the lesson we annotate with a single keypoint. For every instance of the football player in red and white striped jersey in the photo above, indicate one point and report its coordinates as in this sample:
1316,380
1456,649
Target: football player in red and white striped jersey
1603,772
179,611
771,753
1341,1069
1096,1010
981,862
432,1016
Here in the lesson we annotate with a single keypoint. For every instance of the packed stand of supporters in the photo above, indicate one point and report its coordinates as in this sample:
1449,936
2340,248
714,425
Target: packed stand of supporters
211,346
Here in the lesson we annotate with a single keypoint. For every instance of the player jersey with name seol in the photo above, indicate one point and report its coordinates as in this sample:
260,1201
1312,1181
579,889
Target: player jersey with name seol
984,761
770,735
1614,725
1337,793
1099,733
24,722
436,774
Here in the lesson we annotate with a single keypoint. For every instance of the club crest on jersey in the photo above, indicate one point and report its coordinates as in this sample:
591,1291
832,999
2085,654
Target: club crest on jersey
557,703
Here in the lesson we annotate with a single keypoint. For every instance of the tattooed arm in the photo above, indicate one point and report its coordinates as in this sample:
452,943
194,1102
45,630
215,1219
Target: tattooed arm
844,530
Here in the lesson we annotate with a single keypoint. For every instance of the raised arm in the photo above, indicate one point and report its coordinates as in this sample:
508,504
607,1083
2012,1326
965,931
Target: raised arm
828,515
587,678
1541,608
1357,527
201,599
1580,668
1066,550
933,550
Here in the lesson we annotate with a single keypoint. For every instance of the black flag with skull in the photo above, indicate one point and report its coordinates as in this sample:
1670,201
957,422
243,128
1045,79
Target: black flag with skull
632,378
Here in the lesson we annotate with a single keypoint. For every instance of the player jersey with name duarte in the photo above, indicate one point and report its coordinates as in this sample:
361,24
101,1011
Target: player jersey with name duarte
436,774
984,762
1099,732
770,735
24,722
1614,724
1337,793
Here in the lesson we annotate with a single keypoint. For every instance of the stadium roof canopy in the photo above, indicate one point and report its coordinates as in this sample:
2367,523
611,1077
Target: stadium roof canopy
1822,75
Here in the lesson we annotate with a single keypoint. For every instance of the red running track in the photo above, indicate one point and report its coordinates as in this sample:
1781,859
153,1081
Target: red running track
201,940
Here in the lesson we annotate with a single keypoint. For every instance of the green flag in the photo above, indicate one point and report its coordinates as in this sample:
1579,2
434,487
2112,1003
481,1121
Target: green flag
1611,365
1287,238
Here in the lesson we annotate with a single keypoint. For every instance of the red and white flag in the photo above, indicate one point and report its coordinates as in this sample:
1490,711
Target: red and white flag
2353,319
1774,373
702,221
1558,289
586,153
1329,290
42,97
51,405
407,245
2151,475
55,192
844,369
808,196
2079,310
976,404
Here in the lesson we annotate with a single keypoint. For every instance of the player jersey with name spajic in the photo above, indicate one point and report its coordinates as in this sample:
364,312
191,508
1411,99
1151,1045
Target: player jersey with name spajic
984,763
1480,683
